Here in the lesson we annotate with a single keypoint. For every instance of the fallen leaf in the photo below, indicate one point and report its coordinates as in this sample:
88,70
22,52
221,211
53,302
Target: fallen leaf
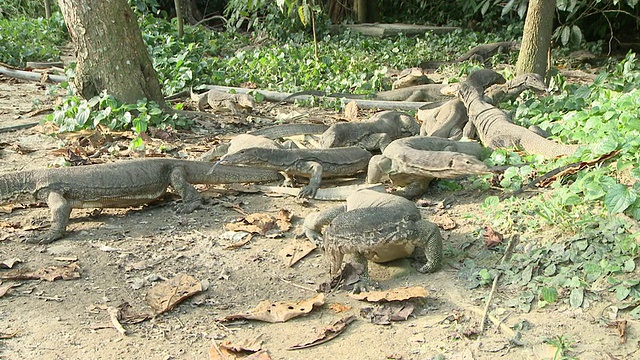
621,326
51,273
66,258
326,334
8,335
4,288
397,294
246,345
126,315
351,110
385,314
492,238
444,221
221,353
8,264
261,223
21,149
236,245
338,308
279,311
164,296
295,251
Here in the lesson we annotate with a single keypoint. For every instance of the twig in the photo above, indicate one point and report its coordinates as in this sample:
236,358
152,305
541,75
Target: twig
507,255
113,315
222,356
298,286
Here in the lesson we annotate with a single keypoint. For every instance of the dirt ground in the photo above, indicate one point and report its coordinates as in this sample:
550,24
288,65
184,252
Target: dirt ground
122,253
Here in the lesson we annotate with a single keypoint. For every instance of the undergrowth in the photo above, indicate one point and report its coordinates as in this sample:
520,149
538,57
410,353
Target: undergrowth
592,211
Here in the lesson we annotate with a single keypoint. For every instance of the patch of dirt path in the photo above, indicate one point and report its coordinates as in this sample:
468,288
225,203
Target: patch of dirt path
123,252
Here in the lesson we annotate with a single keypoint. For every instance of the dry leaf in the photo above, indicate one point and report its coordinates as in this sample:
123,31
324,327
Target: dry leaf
5,288
8,264
326,334
51,273
166,295
239,244
491,237
8,335
397,294
127,316
621,326
444,221
385,314
66,258
279,311
220,353
338,308
351,110
261,223
246,345
295,251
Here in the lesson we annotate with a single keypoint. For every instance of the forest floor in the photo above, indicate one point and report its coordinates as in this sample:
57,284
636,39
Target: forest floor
123,253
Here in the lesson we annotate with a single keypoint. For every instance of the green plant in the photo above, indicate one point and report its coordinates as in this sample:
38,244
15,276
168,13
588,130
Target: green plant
17,9
25,39
562,345
75,114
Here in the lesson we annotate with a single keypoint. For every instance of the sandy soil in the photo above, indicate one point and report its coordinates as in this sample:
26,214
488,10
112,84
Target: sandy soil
122,253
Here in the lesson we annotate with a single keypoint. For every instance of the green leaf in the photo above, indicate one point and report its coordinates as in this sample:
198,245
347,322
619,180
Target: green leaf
619,198
629,265
576,35
622,292
549,294
507,7
576,298
565,35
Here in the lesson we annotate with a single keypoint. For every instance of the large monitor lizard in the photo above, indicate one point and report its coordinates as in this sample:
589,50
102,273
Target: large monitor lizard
414,161
496,130
119,184
375,226
448,119
418,93
373,134
312,163
480,53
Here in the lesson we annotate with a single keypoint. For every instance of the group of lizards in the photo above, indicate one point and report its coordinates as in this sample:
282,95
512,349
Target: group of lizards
371,225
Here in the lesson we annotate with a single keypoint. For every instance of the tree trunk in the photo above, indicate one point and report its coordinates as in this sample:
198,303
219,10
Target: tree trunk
110,51
361,10
536,38
190,11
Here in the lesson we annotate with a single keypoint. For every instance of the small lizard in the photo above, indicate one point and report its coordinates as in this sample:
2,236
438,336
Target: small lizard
312,163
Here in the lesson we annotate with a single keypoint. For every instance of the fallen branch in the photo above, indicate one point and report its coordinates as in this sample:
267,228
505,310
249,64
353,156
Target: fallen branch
362,103
506,257
113,315
31,76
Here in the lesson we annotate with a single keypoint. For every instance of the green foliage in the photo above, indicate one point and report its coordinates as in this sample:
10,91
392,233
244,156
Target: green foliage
562,346
25,39
75,114
16,9
602,19
280,19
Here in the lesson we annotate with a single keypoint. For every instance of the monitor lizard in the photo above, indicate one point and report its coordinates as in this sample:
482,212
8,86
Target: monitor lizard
374,226
118,184
312,163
